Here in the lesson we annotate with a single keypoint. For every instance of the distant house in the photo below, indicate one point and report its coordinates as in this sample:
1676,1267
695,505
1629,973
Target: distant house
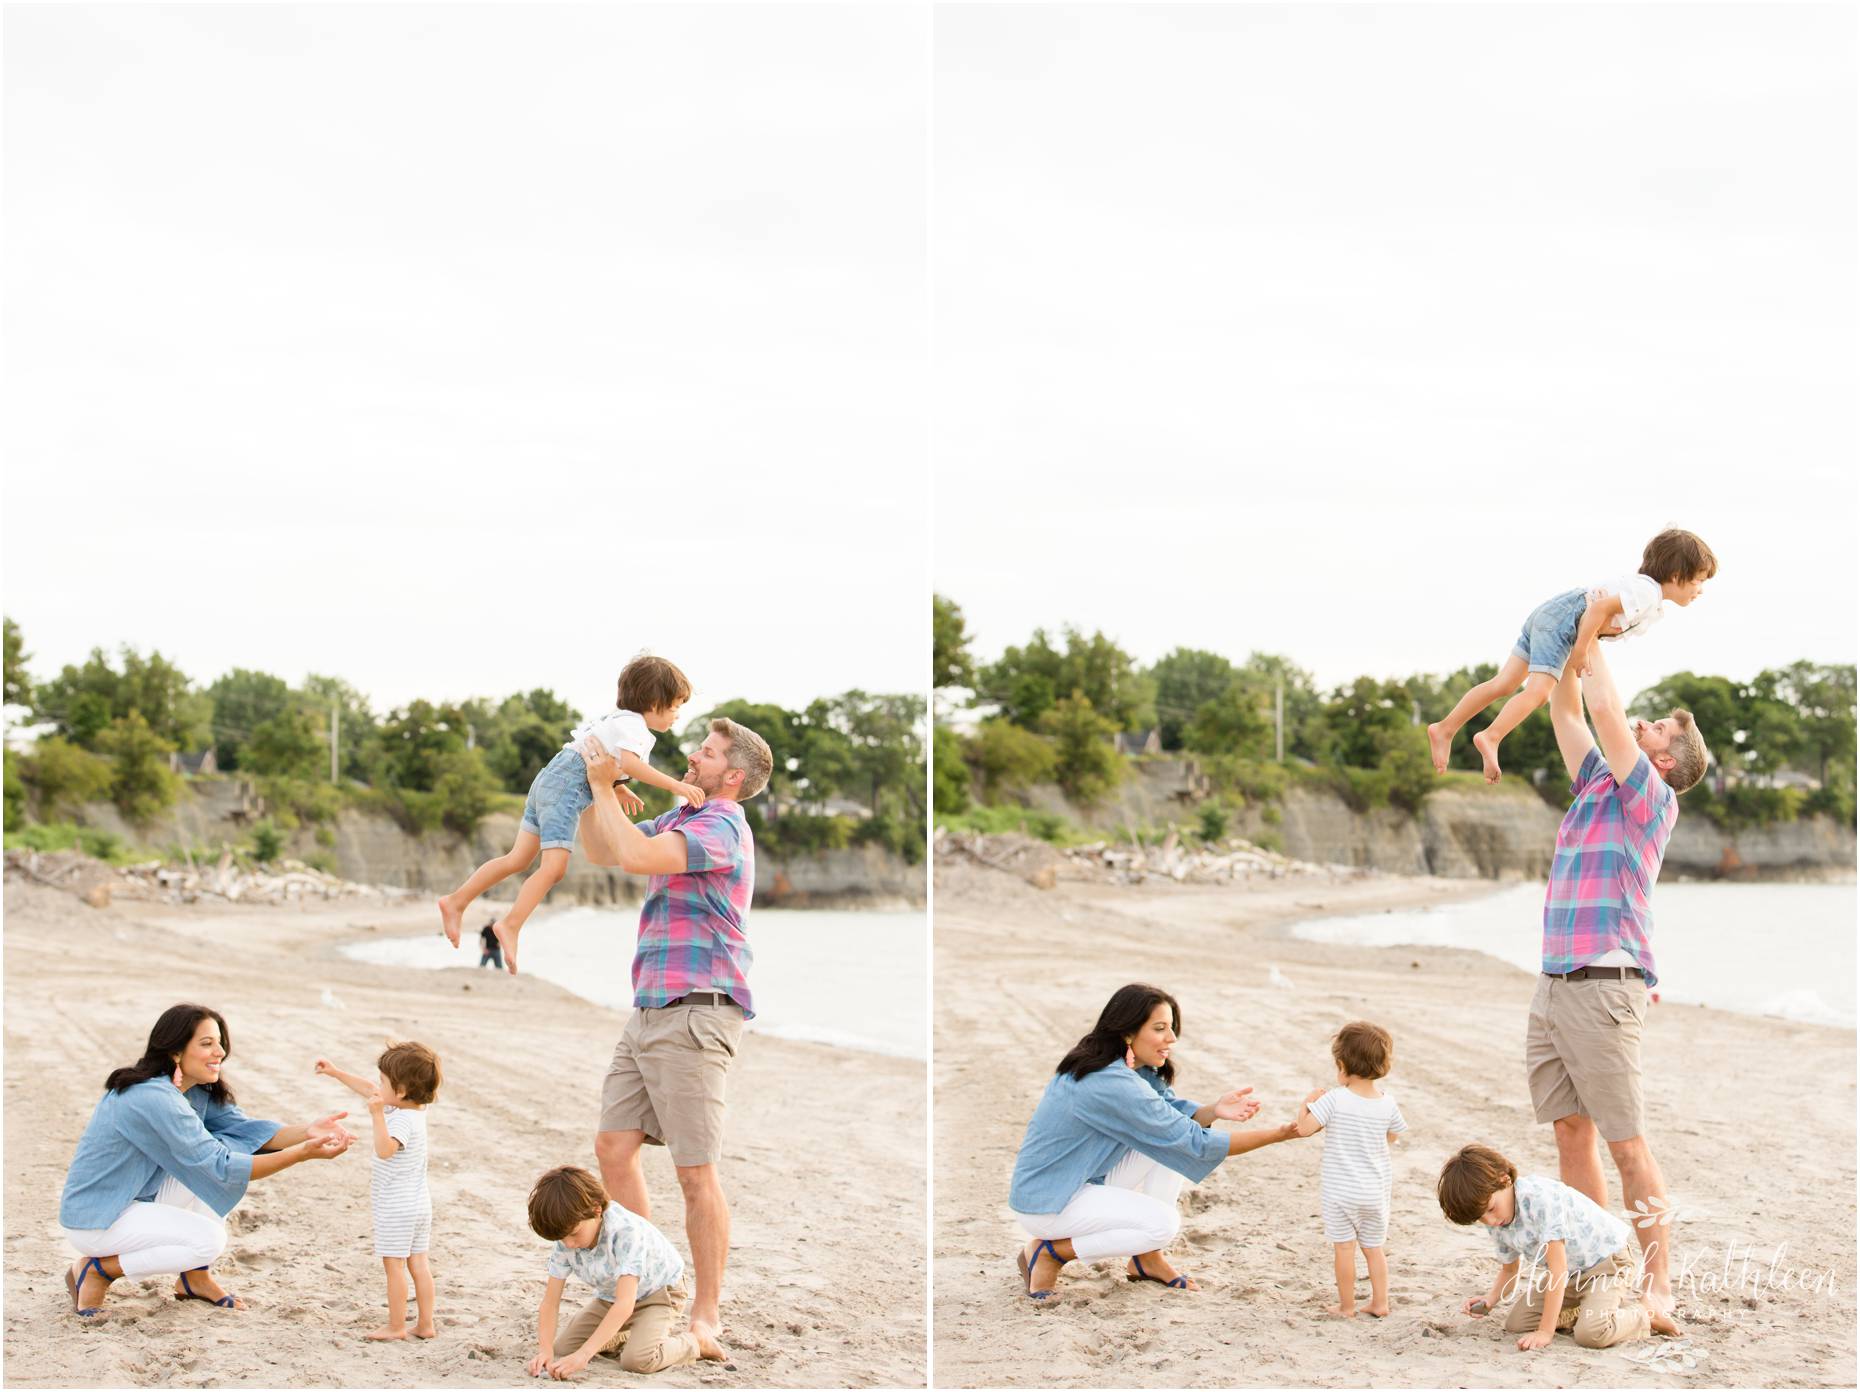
199,762
1146,742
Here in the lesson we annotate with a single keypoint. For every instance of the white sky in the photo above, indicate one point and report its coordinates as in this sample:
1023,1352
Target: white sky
1353,332
458,350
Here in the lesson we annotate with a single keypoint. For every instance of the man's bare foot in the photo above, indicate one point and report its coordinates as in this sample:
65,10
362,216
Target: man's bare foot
384,1333
424,1331
1157,1268
708,1347
1340,1312
1439,744
507,939
205,1287
1662,1321
1488,751
707,1326
450,919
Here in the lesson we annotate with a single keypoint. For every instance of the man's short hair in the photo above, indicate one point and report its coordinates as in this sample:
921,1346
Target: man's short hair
652,683
413,1069
1363,1050
748,752
1468,1181
1690,756
1677,556
563,1199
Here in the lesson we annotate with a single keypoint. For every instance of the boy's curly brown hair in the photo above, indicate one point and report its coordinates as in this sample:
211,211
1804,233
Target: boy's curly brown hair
413,1069
563,1199
1468,1181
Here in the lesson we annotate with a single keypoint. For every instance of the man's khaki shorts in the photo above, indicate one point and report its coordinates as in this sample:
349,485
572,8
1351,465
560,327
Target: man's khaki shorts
1582,1052
667,1078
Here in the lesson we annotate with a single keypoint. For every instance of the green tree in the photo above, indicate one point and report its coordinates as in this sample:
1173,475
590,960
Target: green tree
1087,765
64,777
1005,757
82,701
242,701
1186,680
416,740
360,755
950,774
951,663
1027,681
18,680
142,784
1235,721
290,744
882,735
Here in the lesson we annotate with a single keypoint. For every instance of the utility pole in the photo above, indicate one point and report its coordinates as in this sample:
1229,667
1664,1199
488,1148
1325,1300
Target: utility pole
1278,722
335,724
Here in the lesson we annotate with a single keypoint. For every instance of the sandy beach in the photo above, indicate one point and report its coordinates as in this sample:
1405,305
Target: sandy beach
1752,1120
823,1162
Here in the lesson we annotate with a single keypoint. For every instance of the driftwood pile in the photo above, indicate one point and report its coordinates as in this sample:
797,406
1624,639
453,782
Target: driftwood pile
1234,861
97,882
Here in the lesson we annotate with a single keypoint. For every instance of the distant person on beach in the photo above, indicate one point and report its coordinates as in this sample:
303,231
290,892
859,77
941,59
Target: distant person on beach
408,1080
635,1275
691,994
1104,1157
651,693
1360,1122
166,1157
1582,1043
1674,567
491,952
1576,1258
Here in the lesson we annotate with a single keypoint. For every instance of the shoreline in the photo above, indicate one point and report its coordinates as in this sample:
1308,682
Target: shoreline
825,1284
1250,1233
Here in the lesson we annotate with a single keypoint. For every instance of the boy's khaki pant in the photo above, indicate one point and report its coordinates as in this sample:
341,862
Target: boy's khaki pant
646,1343
1602,1299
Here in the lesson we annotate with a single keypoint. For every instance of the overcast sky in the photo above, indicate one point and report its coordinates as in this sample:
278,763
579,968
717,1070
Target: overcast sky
464,349
1353,332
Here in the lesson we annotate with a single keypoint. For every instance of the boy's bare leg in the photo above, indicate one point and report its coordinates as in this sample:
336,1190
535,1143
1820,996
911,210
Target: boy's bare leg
1537,689
1440,734
545,878
1345,1264
1378,1261
513,862
707,1229
422,1274
396,1326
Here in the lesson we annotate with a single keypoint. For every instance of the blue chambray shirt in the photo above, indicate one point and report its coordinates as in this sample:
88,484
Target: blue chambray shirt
1083,1126
139,1135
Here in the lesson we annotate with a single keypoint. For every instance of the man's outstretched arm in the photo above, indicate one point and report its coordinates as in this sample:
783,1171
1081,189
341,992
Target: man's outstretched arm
1619,746
608,836
1572,731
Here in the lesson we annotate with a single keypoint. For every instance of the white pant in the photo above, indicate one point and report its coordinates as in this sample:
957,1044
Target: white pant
175,1233
1132,1212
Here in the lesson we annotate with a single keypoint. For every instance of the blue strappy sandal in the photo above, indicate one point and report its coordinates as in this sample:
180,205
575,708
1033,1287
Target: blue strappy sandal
1026,1267
1179,1283
225,1302
75,1283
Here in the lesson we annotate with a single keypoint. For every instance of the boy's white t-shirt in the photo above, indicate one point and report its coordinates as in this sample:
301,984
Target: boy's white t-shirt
617,730
1641,605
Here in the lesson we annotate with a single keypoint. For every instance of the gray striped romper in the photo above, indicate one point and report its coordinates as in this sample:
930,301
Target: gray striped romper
1356,1164
397,1188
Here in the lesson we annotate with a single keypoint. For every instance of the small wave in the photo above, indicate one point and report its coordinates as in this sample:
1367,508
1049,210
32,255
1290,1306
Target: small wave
1804,1005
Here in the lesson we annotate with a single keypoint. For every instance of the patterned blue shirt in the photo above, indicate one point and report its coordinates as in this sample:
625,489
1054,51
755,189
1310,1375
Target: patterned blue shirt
1548,1210
627,1246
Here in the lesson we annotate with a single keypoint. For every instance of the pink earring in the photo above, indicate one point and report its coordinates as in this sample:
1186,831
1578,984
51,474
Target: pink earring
1130,1057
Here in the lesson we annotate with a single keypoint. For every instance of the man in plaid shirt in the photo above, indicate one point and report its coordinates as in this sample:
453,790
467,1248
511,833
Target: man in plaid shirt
1582,1047
691,995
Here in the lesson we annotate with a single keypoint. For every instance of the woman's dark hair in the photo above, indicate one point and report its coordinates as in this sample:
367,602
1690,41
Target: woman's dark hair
173,1032
1123,1015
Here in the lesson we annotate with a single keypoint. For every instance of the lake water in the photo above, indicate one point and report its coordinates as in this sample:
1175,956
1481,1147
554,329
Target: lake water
853,978
1762,949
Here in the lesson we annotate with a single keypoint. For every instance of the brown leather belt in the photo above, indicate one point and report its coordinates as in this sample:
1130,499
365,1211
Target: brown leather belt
701,998
1599,974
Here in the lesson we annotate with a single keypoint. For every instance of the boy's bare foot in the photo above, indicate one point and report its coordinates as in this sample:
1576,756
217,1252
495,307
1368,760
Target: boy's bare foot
1340,1312
1439,744
708,1347
507,939
450,919
384,1333
1488,751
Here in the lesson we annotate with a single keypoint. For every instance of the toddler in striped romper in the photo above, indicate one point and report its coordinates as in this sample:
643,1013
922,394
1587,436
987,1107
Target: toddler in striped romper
1360,1123
403,1208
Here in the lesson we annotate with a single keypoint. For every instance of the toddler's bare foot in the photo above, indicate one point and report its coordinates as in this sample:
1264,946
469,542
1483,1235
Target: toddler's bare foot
1488,751
384,1333
424,1331
1340,1311
1439,743
708,1347
1379,1311
450,919
507,939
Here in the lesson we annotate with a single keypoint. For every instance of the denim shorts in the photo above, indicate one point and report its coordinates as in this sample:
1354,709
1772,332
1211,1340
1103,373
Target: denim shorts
1550,632
558,797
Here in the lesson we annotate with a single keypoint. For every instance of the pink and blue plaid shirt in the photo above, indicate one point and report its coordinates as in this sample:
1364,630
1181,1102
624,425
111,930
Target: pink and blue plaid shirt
691,926
1608,853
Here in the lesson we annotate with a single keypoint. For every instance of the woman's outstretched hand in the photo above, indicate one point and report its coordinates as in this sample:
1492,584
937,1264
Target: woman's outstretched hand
327,1147
325,1126
1238,1105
